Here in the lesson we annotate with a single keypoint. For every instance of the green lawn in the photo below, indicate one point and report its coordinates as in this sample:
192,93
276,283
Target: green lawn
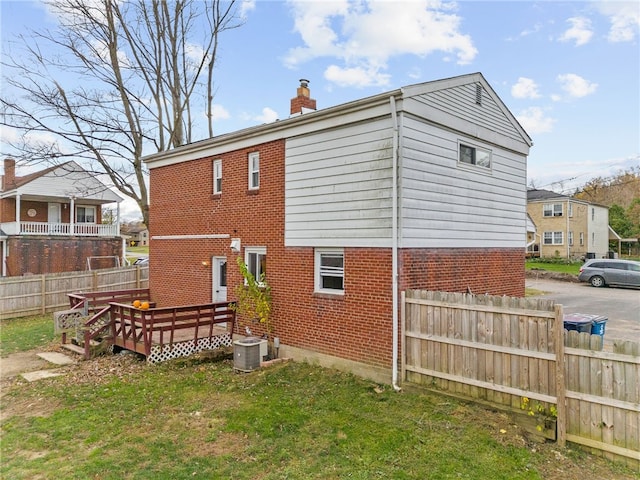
554,266
118,418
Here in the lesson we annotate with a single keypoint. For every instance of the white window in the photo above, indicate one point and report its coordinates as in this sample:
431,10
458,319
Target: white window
217,176
553,238
570,208
256,260
552,210
329,270
85,214
582,239
570,238
474,156
254,171
593,213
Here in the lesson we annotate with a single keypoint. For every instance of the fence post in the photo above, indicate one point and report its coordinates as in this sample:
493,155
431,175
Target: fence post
561,406
43,289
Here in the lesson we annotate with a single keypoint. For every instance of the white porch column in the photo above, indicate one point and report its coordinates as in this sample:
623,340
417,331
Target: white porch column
117,231
18,229
72,216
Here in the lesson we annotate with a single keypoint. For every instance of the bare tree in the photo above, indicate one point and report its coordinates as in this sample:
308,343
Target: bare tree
116,81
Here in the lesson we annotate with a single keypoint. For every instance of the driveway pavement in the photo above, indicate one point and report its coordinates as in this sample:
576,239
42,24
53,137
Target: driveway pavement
621,306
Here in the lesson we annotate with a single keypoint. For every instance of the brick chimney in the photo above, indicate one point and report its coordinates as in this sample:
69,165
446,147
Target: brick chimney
303,100
9,177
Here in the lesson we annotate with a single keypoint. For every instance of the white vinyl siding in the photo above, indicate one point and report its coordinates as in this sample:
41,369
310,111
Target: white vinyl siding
446,206
338,187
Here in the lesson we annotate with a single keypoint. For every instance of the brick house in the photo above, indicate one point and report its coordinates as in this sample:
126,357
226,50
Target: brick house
38,232
345,207
568,227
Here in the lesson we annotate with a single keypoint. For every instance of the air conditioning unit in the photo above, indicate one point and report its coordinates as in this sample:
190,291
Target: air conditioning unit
246,354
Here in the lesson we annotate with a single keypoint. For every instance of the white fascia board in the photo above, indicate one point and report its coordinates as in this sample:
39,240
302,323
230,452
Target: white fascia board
364,109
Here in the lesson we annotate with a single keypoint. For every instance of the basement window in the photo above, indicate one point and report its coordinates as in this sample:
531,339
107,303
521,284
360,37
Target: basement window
469,155
329,270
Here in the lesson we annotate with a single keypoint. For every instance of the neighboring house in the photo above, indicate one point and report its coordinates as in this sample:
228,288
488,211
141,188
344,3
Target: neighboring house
533,247
50,221
568,227
137,236
343,208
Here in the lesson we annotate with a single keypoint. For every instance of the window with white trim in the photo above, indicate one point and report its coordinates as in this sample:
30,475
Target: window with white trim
582,239
329,270
217,176
570,238
85,214
552,210
553,238
474,156
256,260
254,171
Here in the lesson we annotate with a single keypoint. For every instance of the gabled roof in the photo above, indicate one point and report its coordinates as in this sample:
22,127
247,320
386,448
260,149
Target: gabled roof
331,117
66,180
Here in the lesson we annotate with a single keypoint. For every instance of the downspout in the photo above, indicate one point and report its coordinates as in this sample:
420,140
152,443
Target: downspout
394,245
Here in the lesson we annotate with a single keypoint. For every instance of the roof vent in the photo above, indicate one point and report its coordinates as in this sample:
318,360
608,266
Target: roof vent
478,94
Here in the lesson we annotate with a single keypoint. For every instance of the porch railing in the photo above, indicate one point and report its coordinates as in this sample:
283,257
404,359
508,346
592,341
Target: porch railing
61,229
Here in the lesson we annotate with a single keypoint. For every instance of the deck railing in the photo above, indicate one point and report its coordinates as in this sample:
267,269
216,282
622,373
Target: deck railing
111,317
139,330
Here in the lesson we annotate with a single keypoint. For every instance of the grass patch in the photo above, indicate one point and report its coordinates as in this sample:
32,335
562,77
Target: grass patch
187,419
21,334
553,265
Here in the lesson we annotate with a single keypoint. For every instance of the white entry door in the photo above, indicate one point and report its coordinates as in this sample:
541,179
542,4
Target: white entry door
219,266
54,213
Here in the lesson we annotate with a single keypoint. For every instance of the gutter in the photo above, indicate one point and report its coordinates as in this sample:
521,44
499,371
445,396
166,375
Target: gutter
394,246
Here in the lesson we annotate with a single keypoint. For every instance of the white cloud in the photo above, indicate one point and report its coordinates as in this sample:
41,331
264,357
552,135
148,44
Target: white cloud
525,88
247,6
533,120
363,35
580,31
267,116
576,86
355,76
624,18
219,112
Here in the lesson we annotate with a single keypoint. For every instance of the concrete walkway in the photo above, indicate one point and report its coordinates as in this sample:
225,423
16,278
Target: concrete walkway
34,366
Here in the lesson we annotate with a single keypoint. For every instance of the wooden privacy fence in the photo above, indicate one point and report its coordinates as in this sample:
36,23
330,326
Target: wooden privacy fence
503,350
40,294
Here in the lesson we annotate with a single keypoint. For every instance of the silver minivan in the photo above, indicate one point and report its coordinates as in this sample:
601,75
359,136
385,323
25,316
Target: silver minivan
600,273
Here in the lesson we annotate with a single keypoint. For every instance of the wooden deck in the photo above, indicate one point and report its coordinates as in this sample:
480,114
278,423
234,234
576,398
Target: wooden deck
157,333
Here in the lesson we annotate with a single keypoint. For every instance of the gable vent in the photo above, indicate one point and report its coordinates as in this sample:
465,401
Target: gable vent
478,94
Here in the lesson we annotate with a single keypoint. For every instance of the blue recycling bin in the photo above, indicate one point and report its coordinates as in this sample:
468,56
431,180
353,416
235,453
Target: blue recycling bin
579,322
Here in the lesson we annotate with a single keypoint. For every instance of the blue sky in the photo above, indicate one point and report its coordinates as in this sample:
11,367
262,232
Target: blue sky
569,71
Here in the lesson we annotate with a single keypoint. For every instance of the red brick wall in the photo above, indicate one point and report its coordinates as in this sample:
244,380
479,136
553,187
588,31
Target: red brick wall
38,255
494,271
182,203
356,326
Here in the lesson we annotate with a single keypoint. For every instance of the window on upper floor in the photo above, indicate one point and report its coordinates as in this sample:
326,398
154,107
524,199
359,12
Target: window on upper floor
552,210
474,156
256,260
329,270
85,214
254,171
217,176
593,213
553,238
